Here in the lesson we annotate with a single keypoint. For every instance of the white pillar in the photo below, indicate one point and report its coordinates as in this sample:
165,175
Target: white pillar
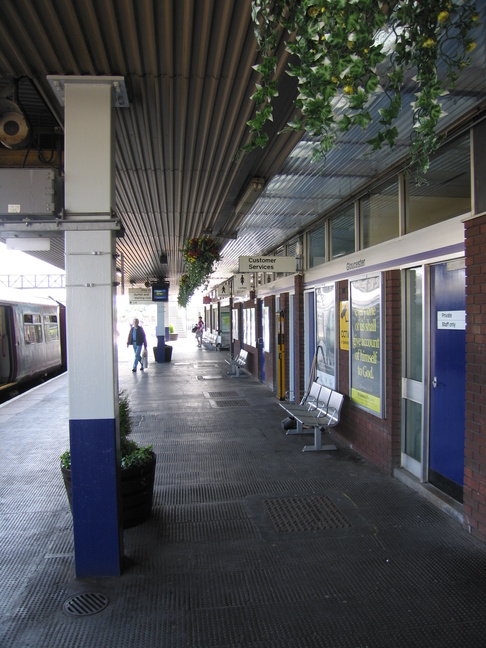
92,362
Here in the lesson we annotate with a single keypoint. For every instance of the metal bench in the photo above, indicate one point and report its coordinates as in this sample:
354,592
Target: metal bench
238,363
211,340
320,410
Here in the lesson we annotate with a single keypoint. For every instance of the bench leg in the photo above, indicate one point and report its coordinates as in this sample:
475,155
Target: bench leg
318,442
298,430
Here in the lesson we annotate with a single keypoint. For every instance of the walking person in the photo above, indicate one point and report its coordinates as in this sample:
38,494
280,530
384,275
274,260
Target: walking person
200,331
137,338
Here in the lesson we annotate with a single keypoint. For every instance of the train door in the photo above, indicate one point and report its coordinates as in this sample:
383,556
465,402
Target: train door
447,376
5,350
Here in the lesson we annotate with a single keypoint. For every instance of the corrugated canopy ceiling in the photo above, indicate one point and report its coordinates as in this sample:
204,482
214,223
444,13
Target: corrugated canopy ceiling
187,66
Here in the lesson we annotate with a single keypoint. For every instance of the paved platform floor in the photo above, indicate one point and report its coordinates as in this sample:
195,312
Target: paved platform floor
252,543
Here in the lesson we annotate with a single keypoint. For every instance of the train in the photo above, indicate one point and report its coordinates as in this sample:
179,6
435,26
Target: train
32,339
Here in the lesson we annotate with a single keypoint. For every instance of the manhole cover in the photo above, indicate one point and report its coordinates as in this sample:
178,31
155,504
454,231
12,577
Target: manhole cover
85,604
294,514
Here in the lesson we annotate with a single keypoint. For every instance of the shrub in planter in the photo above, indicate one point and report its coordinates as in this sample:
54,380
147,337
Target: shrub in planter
137,471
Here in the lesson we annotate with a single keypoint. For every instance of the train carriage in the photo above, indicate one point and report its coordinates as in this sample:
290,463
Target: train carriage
31,338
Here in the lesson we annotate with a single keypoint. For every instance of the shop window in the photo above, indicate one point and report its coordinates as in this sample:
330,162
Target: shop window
379,214
444,191
317,246
343,233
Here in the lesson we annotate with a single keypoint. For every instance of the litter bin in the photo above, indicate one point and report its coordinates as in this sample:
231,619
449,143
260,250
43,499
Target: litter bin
168,353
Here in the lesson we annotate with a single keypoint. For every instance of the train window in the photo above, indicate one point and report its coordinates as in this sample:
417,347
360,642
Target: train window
32,329
51,329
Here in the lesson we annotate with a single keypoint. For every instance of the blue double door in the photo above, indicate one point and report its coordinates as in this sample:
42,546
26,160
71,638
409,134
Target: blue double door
447,377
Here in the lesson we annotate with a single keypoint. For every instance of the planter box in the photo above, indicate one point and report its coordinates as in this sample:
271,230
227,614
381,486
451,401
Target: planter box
173,337
137,486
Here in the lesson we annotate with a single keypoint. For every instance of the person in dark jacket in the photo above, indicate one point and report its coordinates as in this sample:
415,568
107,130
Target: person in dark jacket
138,339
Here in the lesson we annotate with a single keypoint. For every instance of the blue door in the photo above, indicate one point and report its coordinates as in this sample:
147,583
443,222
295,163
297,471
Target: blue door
447,377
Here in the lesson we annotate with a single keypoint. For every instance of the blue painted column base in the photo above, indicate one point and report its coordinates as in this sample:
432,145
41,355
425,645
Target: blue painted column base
160,348
98,536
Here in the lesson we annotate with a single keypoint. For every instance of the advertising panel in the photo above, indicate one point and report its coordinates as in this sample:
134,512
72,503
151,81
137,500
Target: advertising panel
366,344
326,335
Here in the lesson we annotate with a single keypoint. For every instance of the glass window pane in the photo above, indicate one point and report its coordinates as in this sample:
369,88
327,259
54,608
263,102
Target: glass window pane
379,214
444,191
317,246
413,430
414,305
342,233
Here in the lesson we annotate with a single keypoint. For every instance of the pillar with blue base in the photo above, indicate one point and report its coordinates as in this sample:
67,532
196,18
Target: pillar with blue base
90,323
161,332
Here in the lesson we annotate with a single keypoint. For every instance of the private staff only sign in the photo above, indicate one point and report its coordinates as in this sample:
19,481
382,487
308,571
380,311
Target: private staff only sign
267,264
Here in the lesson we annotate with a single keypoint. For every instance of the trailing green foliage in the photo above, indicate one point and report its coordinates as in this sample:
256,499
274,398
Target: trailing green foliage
345,51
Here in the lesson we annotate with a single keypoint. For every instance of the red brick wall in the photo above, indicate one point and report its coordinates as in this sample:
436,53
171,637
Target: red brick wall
376,439
475,441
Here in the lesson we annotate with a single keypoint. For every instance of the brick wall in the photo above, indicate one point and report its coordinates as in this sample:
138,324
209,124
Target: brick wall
475,432
376,439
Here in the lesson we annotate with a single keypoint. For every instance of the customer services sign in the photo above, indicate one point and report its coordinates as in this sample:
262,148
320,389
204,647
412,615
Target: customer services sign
267,264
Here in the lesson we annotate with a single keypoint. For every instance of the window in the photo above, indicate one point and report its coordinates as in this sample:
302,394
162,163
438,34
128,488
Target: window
317,246
379,214
342,233
32,329
444,191
51,329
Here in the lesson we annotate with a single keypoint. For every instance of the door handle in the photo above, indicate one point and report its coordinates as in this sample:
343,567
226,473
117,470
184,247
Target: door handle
434,382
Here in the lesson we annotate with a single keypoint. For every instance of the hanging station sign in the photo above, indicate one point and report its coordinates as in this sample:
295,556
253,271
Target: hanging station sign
138,296
267,264
366,373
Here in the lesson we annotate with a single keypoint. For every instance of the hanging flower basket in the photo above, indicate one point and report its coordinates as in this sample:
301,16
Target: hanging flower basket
200,255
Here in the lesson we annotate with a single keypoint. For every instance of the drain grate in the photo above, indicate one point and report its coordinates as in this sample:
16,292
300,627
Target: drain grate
222,394
85,604
231,403
294,514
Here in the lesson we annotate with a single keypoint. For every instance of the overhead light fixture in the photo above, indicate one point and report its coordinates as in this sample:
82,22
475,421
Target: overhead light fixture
249,196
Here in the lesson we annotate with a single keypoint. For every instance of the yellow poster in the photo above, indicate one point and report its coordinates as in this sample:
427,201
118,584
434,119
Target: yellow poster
344,325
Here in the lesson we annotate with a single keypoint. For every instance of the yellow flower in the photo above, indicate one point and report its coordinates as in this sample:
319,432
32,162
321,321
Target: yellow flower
428,43
471,46
313,11
443,16
334,79
348,89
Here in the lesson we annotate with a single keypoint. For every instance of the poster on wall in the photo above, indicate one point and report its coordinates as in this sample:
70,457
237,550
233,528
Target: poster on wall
234,315
326,335
366,344
266,328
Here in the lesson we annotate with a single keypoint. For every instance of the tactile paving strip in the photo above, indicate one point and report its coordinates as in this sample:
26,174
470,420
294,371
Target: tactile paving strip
294,514
222,394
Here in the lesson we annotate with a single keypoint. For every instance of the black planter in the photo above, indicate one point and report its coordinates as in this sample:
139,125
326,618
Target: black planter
137,486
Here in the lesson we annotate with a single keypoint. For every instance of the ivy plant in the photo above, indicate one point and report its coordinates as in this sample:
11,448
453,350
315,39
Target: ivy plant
347,51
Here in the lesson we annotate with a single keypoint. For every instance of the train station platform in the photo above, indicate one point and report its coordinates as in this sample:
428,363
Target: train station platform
252,543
